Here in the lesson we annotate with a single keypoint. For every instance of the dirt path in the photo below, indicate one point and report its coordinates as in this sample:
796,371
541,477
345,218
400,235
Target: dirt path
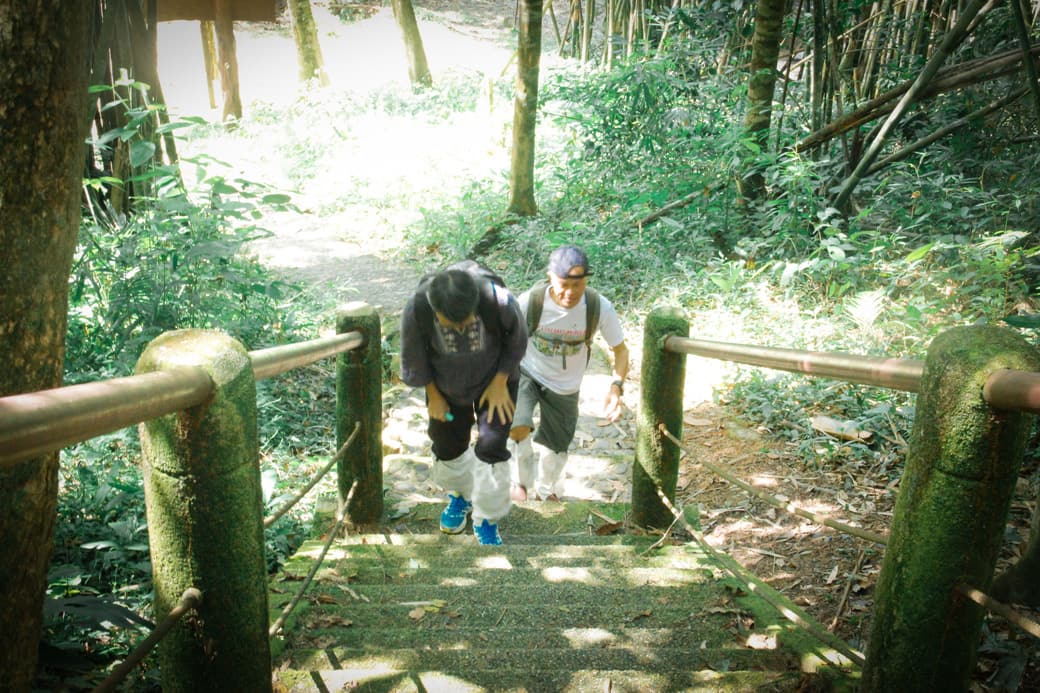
347,255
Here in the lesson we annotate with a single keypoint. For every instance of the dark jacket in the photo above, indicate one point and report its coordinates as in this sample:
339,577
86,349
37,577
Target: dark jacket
462,365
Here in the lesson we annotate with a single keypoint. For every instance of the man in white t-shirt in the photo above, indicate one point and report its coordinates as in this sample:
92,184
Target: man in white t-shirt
553,366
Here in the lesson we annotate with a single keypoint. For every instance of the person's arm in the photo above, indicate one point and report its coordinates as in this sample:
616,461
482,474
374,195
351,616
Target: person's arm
613,405
436,406
513,336
416,369
496,395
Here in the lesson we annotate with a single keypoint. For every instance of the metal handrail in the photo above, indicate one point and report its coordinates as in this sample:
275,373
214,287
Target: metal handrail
1004,389
894,373
36,423
268,363
191,599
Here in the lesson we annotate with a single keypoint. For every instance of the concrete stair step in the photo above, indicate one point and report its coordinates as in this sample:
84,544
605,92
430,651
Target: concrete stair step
558,607
447,633
460,661
604,564
564,612
417,571
578,681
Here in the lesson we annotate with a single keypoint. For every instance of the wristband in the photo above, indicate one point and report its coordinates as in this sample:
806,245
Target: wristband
620,386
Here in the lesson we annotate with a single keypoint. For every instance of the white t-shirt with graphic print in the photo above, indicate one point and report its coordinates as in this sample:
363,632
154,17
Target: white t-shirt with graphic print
556,353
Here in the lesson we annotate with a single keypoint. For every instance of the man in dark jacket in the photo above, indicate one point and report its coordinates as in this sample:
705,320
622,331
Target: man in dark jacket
462,339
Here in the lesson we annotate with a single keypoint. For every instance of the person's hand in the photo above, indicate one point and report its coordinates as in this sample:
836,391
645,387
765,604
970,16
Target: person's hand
499,402
436,406
613,405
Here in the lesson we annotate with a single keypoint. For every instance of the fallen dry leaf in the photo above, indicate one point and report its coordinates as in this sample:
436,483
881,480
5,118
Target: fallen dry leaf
417,614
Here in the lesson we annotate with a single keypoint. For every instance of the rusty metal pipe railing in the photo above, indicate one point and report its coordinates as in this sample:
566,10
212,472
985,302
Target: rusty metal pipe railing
268,363
896,374
1008,389
191,599
36,423
1004,389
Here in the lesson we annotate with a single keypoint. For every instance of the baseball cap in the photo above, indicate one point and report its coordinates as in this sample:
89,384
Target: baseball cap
565,258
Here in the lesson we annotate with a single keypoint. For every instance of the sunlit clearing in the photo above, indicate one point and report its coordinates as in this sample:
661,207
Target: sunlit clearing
494,563
584,637
566,574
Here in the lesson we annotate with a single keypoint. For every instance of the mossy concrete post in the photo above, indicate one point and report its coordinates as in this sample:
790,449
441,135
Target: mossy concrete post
949,516
660,402
205,520
359,398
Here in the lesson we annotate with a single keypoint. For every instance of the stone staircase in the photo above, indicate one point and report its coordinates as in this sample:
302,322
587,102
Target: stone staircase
573,601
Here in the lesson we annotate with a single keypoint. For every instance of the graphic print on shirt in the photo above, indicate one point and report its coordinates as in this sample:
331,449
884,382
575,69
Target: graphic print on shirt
470,340
562,342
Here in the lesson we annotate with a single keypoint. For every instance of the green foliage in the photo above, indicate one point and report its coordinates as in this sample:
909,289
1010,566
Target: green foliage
172,265
939,240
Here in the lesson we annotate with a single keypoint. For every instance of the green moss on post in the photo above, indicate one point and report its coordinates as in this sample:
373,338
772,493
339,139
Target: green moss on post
949,516
661,398
205,520
359,397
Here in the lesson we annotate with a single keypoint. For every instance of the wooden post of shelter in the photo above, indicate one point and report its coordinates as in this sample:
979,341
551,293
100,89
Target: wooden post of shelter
222,14
209,58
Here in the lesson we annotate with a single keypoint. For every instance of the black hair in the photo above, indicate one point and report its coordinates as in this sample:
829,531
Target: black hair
453,293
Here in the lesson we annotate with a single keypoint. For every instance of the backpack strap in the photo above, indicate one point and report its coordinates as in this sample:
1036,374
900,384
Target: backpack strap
535,302
591,316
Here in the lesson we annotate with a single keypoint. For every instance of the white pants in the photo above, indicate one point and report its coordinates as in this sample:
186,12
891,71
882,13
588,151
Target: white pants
540,473
485,485
526,466
550,473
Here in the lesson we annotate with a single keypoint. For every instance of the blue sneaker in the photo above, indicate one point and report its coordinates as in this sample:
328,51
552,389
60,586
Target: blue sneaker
453,519
487,533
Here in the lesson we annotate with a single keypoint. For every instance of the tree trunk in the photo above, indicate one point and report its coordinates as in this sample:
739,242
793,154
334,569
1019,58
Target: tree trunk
765,49
308,50
209,57
525,110
44,64
418,69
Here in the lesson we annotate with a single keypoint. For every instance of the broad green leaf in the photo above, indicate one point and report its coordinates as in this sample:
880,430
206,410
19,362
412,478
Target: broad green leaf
1030,321
920,252
141,153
